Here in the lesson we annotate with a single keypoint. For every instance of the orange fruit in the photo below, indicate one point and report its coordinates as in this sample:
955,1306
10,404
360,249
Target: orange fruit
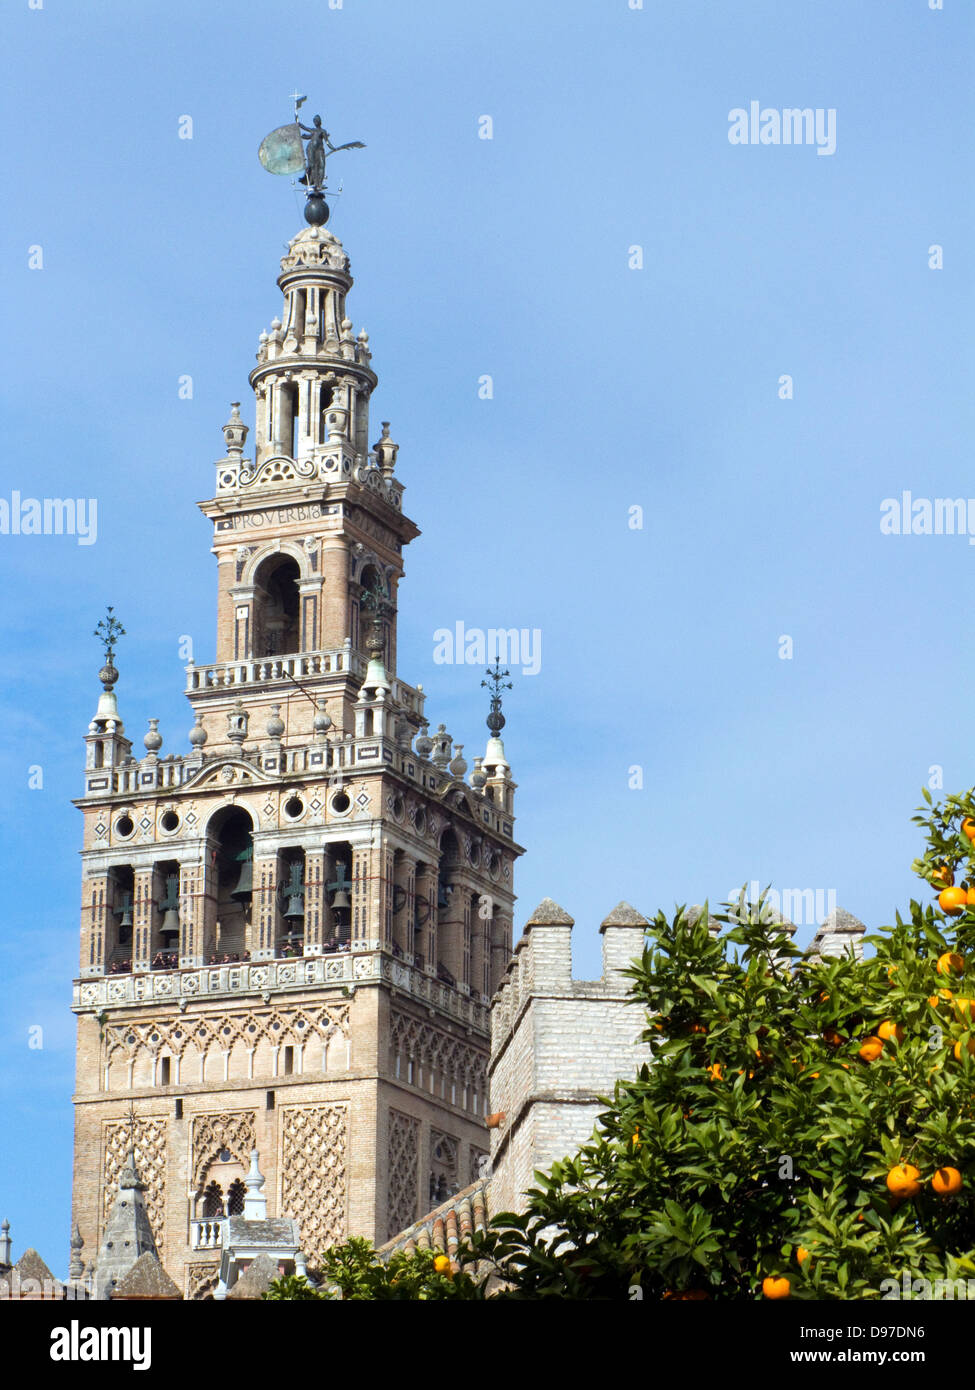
776,1288
802,1254
902,1180
716,1071
871,1049
970,897
933,1000
953,901
946,1182
944,874
951,960
442,1264
970,1049
968,827
833,1038
889,1030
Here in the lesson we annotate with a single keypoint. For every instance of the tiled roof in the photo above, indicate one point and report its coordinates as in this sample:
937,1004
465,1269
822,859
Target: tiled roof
146,1279
446,1226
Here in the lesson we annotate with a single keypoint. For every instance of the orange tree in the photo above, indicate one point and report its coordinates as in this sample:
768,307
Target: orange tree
805,1128
353,1271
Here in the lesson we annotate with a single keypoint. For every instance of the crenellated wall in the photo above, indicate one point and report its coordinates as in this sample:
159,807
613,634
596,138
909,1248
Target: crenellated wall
558,1044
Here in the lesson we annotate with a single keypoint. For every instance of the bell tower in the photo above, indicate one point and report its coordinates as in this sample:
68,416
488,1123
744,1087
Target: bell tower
292,929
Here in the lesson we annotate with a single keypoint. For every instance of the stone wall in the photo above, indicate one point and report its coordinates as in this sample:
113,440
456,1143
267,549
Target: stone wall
558,1045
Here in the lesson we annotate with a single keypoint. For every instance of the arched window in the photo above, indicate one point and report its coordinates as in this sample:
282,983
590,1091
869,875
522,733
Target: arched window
276,615
235,1198
213,1201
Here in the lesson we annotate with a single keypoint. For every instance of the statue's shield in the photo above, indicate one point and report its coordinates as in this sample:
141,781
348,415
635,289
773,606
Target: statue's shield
282,152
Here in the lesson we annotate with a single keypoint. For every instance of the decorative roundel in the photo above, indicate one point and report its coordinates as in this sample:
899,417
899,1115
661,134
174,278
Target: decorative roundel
294,807
124,827
494,865
420,820
169,821
226,479
397,808
474,853
340,803
330,463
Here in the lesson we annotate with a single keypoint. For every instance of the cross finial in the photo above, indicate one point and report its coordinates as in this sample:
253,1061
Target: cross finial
497,682
108,631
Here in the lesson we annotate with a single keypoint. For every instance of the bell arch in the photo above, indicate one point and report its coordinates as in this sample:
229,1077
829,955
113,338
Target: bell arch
277,605
230,849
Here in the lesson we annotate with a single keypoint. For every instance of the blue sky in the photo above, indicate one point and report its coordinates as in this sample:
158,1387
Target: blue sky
614,388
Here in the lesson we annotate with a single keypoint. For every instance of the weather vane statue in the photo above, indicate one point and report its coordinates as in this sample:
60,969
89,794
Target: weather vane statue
284,152
496,720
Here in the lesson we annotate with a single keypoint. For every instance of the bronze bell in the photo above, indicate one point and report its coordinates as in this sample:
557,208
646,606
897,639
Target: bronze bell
124,913
245,882
169,907
294,893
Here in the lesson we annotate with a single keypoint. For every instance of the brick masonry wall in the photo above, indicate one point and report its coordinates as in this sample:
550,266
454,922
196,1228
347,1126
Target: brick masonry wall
558,1044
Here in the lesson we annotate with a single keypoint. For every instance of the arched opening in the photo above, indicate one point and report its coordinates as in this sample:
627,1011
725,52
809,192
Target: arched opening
369,581
424,919
230,833
276,607
291,903
324,401
120,925
338,891
212,1201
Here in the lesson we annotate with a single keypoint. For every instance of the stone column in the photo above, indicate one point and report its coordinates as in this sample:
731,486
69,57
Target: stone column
335,618
263,932
95,905
310,600
196,904
315,880
242,599
143,913
366,896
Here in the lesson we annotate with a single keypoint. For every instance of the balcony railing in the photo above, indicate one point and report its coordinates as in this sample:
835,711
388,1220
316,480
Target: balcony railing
364,963
206,1235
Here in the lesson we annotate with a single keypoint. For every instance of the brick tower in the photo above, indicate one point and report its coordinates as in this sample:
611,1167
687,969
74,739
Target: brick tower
290,933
